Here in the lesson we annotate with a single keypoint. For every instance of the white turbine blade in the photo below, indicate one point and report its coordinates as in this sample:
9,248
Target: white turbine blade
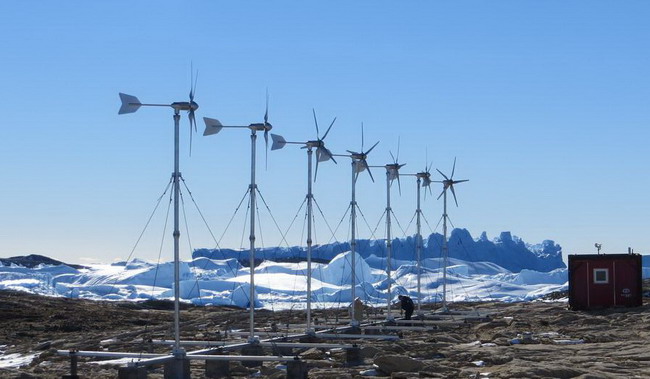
399,185
446,178
359,167
329,154
278,142
328,129
315,122
398,143
453,193
373,146
266,150
368,168
321,155
130,104
453,168
212,126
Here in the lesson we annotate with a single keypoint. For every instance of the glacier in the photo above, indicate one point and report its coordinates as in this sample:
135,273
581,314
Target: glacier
502,269
507,251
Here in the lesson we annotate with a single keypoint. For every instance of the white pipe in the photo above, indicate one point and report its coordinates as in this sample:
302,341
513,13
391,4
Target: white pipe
353,242
177,233
309,241
444,253
252,190
389,246
418,246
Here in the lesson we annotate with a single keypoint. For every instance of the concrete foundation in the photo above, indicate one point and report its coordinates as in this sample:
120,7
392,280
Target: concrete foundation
217,369
353,356
177,369
252,350
132,373
297,369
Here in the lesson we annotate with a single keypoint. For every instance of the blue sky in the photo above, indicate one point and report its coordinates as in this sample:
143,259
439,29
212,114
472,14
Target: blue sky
545,104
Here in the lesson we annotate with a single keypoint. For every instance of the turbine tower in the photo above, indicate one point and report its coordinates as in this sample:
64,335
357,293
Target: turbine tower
359,164
423,180
130,104
322,155
392,173
448,183
214,126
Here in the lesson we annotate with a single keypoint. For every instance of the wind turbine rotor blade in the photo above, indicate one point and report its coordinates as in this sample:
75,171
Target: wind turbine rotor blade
350,151
329,154
373,146
399,185
192,118
392,156
359,166
130,104
441,193
266,112
212,126
321,155
461,181
445,176
278,142
196,79
316,170
313,111
398,143
454,193
453,168
266,151
328,129
368,168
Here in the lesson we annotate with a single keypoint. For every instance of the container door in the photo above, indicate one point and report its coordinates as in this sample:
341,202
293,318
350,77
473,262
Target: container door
627,283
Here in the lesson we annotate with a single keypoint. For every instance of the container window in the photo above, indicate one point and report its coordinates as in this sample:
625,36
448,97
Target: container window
601,275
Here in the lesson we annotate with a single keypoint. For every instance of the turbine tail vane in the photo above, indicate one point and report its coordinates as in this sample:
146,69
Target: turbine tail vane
130,104
214,126
278,142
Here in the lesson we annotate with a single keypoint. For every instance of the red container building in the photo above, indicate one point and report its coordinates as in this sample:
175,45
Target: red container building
603,281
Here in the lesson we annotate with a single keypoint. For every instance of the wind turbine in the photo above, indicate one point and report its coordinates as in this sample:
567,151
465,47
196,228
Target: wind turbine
423,180
130,104
214,126
448,183
322,155
392,173
359,164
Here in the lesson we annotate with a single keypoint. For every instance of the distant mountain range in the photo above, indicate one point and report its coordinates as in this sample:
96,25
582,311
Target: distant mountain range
507,251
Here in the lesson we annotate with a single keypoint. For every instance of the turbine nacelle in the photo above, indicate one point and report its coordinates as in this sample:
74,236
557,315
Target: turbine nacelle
261,127
425,176
189,106
393,170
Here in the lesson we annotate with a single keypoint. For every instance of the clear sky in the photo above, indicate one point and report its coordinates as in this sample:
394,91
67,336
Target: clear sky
545,104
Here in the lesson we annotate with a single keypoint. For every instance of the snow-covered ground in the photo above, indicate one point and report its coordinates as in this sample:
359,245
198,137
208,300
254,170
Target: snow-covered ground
284,285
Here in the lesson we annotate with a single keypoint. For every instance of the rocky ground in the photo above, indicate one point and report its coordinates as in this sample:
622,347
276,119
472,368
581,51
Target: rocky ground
521,340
